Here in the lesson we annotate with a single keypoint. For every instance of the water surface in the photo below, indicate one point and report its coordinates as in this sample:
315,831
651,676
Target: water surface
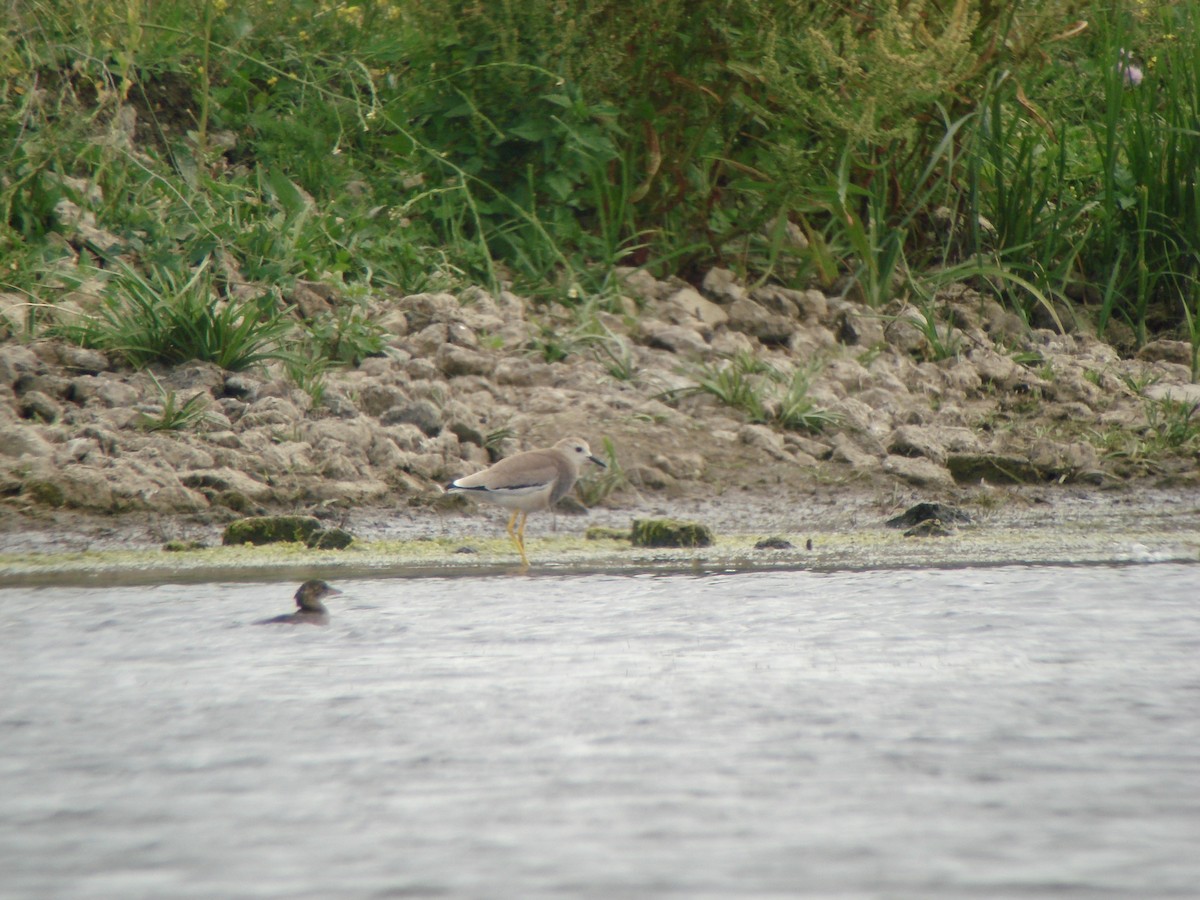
1007,732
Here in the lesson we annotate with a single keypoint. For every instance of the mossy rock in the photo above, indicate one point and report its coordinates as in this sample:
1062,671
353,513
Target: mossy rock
604,533
775,543
271,530
670,533
330,539
180,546
46,492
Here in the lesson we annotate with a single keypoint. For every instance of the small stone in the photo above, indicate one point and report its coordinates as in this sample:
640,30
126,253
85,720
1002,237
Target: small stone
39,407
242,387
83,360
722,285
421,413
755,320
23,440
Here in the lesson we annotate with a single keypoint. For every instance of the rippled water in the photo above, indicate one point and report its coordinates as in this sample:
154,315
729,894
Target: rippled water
1003,732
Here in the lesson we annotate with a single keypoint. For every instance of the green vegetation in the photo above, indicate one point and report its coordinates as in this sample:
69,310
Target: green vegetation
173,316
173,415
175,152
766,395
594,489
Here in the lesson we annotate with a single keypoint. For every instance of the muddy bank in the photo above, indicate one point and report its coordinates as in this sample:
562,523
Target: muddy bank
752,532
764,410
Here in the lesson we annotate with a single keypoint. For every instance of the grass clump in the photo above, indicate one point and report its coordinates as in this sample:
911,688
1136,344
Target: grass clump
168,315
174,415
760,391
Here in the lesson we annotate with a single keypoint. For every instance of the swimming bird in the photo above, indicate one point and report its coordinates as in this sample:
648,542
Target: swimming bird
527,482
310,610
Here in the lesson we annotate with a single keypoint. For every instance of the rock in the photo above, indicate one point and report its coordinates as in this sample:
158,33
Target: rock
924,512
1178,352
723,286
1177,393
454,360
424,344
101,389
765,439
241,386
753,319
83,360
774,543
466,433
420,413
196,376
375,399
670,533
308,302
992,468
39,407
213,482
678,339
994,368
520,372
270,530
423,310
687,306
920,472
17,441
858,329
1062,462
16,361
638,282
908,337
846,451
933,442
269,411
48,383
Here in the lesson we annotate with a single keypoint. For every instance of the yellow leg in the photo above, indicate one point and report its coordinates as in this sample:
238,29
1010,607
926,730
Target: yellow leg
518,536
521,539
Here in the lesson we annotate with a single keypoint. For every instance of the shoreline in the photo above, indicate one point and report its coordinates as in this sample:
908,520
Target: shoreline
1033,527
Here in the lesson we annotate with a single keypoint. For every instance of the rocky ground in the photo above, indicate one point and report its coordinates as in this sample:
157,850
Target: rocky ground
465,380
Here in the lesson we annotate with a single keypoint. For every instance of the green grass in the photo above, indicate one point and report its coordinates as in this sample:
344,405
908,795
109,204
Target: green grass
172,316
761,392
390,145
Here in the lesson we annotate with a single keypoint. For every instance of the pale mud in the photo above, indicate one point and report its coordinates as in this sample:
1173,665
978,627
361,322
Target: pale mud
830,528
